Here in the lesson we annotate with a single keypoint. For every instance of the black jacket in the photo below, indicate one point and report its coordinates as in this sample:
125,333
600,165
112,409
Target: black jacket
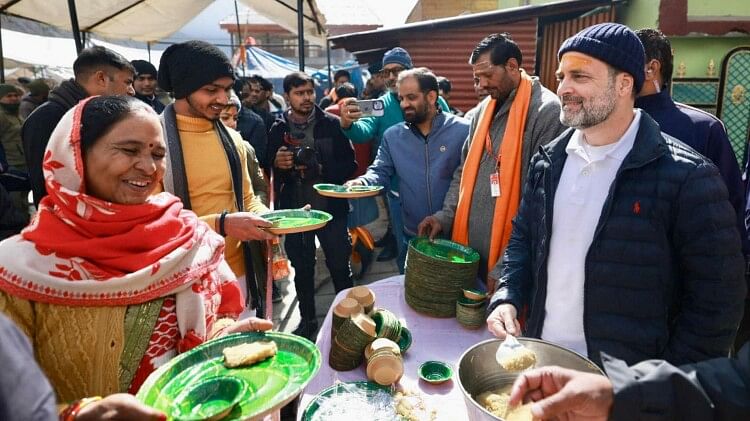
153,102
38,128
717,389
664,273
335,153
253,130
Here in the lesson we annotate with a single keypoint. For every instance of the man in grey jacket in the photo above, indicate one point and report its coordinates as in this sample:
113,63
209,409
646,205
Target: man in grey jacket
424,151
497,62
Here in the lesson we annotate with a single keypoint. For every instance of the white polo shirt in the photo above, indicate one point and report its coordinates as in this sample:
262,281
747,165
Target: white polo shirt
584,185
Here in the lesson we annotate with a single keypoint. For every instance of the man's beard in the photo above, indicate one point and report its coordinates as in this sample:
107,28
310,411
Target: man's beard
11,109
591,112
420,115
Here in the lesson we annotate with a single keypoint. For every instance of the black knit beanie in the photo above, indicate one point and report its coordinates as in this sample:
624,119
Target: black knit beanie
613,44
142,67
187,66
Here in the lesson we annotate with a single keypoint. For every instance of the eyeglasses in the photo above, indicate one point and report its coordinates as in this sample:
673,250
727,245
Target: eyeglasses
394,72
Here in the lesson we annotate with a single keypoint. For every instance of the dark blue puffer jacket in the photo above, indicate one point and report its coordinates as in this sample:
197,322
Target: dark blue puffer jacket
664,273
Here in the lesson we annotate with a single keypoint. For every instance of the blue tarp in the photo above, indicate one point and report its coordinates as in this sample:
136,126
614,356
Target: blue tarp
270,66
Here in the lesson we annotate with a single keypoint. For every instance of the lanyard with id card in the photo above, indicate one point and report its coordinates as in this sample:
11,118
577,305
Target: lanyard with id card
495,176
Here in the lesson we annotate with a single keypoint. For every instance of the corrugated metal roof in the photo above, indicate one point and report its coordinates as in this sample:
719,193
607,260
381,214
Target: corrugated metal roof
451,58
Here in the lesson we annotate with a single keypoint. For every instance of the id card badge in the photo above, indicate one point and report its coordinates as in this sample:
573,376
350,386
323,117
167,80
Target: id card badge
495,184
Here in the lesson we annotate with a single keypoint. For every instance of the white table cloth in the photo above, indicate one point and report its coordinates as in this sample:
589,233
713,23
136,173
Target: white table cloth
433,339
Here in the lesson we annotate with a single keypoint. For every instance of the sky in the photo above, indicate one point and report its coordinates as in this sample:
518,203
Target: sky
206,25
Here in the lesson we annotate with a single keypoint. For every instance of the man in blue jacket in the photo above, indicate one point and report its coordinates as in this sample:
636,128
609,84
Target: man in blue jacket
423,152
371,129
625,241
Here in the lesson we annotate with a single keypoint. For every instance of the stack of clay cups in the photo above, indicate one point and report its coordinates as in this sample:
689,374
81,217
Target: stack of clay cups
364,296
343,310
348,346
470,311
384,363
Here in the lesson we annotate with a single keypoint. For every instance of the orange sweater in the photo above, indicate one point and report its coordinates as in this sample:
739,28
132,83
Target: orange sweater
209,180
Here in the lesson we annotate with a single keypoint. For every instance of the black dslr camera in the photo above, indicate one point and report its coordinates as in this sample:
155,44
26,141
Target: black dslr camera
304,155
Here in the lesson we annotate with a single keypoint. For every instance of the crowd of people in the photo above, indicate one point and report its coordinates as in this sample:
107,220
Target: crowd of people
608,218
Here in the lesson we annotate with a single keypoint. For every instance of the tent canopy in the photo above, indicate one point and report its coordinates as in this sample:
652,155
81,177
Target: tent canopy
151,20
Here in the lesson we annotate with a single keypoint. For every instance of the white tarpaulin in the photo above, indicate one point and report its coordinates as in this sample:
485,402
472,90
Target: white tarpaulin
58,54
151,20
284,14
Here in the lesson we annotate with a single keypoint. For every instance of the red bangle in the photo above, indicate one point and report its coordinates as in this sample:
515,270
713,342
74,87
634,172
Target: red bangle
71,411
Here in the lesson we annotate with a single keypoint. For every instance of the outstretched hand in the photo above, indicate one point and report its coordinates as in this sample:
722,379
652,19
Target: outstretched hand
563,394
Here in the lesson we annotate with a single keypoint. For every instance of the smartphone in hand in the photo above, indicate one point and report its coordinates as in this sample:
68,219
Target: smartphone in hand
371,107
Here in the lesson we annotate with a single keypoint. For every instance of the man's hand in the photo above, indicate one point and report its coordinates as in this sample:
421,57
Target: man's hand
251,324
503,321
349,112
429,227
564,394
245,226
284,159
354,182
119,407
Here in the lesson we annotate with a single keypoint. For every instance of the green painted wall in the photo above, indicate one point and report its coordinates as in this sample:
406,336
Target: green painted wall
640,14
696,52
718,8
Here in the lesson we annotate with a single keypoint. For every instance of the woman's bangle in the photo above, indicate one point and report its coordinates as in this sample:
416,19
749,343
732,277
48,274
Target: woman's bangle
71,411
221,223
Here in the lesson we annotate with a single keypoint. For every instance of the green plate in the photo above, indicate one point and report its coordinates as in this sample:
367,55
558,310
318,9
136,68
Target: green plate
435,372
352,401
404,342
210,399
290,221
271,384
445,250
344,192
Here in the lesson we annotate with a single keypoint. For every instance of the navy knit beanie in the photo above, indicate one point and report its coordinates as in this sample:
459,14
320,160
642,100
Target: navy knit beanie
142,67
187,66
398,56
613,44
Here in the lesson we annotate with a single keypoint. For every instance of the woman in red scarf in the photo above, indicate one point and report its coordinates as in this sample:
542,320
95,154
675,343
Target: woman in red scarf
110,281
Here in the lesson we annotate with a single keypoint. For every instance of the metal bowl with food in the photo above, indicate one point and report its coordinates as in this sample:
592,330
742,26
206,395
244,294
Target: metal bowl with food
479,372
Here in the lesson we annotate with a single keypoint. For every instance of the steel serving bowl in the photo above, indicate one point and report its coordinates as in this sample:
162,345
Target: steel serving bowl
479,372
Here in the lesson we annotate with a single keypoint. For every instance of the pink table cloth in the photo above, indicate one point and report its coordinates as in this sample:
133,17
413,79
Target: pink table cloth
433,339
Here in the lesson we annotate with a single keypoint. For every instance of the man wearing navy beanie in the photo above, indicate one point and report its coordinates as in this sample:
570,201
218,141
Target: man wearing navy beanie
638,253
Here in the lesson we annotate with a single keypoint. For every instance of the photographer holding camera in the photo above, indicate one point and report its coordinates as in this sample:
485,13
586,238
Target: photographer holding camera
309,148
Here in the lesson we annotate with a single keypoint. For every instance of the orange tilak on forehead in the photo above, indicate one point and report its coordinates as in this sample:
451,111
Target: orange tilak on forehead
574,61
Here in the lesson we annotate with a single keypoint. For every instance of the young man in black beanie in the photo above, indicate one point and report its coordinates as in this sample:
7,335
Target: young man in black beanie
145,84
625,241
207,165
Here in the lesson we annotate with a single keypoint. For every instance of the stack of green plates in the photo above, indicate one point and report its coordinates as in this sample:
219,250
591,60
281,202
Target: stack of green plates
436,273
348,347
271,384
